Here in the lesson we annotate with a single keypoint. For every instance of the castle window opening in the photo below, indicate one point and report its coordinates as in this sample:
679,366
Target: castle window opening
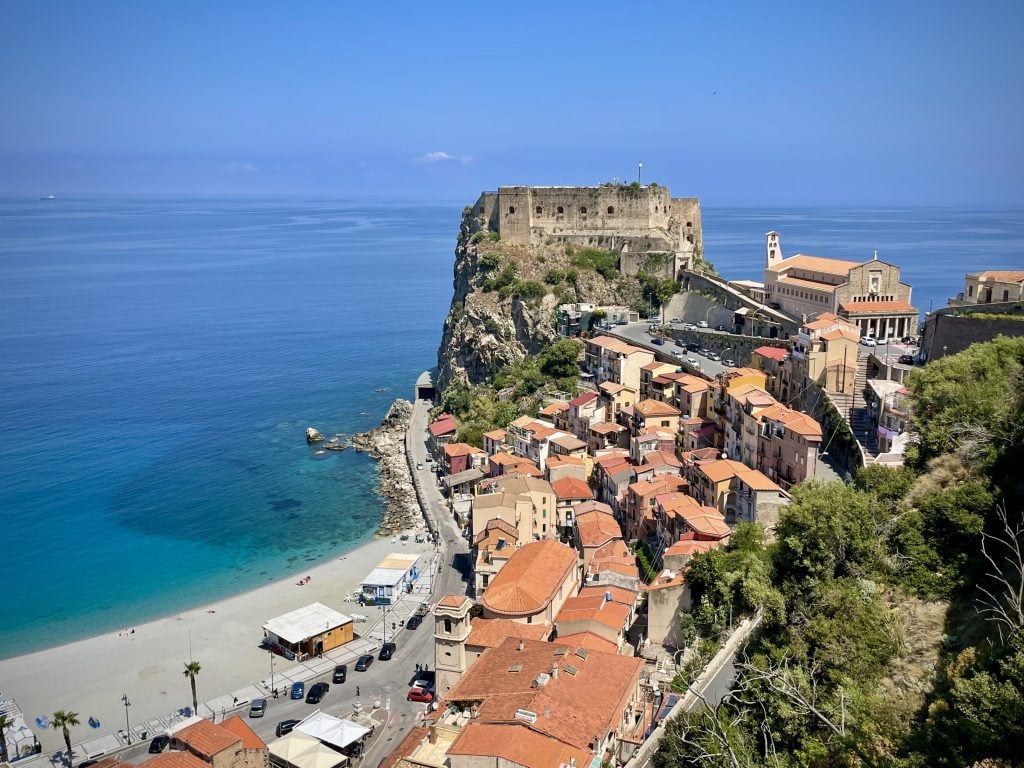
538,210
583,209
611,209
481,209
511,209
561,209
689,223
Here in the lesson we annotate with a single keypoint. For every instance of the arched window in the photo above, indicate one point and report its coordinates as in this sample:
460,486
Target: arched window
481,209
583,209
611,209
511,209
539,210
561,209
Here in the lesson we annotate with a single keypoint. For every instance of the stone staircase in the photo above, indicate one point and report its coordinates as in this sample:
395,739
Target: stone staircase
860,424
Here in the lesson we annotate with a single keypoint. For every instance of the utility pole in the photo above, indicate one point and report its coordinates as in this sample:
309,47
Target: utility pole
639,168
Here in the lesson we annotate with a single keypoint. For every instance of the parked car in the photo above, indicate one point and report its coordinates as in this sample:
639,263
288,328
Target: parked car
689,327
317,691
286,726
677,353
298,690
729,363
419,465
705,352
257,708
719,327
159,744
340,673
413,622
364,662
387,651
675,321
358,617
714,356
679,343
659,341
702,324
691,361
868,341
418,694
907,359
622,322
424,683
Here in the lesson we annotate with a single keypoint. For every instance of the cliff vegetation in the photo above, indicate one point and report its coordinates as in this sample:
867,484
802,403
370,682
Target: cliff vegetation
894,607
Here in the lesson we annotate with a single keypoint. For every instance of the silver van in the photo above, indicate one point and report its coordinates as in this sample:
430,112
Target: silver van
258,708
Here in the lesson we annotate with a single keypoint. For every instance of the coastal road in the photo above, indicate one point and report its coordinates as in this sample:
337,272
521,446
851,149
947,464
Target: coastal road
636,333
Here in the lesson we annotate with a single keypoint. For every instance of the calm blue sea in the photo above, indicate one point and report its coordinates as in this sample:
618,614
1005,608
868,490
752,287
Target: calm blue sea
161,358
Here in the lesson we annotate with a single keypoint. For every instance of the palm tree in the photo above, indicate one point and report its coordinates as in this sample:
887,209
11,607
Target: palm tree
191,670
5,723
64,720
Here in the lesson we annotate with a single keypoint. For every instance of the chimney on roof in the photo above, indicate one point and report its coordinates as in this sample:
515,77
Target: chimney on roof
432,735
608,596
521,644
554,671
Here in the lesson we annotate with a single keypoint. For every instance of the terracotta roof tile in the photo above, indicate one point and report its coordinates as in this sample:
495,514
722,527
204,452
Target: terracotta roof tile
816,264
583,702
238,726
489,633
860,307
619,594
580,400
175,759
721,470
758,481
692,547
530,579
206,738
496,434
606,428
773,353
572,488
651,408
552,408
517,744
569,442
460,449
447,423
596,528
1001,275
405,747
593,607
590,641
841,333
453,601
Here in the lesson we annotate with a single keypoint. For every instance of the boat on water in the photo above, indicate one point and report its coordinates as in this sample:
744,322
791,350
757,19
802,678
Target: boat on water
381,389
48,197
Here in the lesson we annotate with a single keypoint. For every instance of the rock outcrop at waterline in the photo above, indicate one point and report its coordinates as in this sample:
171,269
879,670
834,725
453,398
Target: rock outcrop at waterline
313,435
386,444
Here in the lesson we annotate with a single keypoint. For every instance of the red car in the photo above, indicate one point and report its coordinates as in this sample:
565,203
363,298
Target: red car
419,694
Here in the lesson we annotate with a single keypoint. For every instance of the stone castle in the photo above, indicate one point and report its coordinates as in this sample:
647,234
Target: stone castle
633,220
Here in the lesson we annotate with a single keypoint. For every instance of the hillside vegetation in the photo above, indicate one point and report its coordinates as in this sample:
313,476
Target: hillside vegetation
894,607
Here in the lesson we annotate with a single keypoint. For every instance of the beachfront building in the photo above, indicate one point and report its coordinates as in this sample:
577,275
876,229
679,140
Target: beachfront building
231,744
393,575
869,294
308,631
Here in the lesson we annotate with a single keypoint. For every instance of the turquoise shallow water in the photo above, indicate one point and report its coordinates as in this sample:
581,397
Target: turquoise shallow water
160,360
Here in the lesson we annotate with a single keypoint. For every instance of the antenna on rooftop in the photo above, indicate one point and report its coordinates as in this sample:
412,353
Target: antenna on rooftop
639,167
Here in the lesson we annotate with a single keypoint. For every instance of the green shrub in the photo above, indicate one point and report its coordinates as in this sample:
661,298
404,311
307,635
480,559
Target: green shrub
493,236
554,276
605,263
488,261
529,289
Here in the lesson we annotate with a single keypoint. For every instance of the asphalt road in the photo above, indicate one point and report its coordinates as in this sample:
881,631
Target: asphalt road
636,333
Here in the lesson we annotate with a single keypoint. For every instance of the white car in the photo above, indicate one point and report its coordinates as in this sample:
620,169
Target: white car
419,466
702,324
869,341
677,353
357,617
692,361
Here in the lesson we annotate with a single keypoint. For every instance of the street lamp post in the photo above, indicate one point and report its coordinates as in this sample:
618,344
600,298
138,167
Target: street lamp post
271,650
127,726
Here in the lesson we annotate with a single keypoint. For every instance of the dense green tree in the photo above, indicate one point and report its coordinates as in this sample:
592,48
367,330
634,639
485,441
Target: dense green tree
561,360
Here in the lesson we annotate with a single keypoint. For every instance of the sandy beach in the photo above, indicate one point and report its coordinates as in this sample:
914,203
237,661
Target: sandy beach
89,676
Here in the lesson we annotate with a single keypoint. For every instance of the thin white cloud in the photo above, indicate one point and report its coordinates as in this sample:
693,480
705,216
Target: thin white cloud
434,157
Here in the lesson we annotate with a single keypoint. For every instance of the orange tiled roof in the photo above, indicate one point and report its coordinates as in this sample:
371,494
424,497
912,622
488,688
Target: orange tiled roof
651,408
658,484
460,449
496,434
568,461
572,488
612,388
206,738
582,702
816,264
497,524
489,633
596,528
452,601
773,353
706,520
692,547
825,319
606,427
530,579
405,747
841,333
619,594
594,607
553,408
568,442
591,506
590,641
861,307
580,400
443,425
661,459
238,726
175,759
721,470
518,744
1001,275
758,481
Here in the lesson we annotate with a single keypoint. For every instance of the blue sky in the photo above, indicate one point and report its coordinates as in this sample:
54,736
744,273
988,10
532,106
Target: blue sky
737,103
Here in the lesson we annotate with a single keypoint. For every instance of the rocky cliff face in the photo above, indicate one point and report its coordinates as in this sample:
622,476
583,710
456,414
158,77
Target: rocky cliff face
488,329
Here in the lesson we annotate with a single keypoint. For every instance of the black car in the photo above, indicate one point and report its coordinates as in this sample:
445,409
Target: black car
340,673
413,622
387,651
316,693
286,726
159,744
907,359
364,662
